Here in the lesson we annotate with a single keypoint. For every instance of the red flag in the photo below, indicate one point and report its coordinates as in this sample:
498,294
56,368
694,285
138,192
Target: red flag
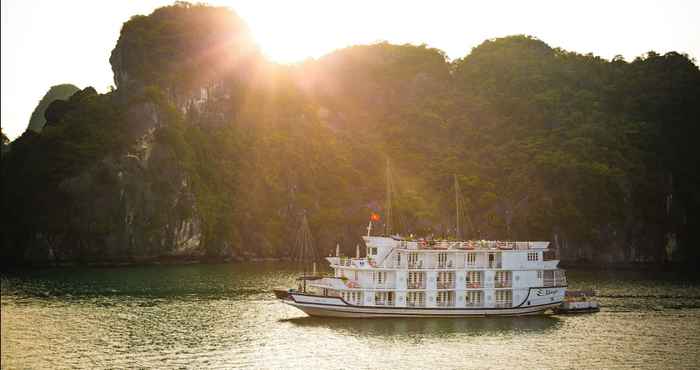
374,217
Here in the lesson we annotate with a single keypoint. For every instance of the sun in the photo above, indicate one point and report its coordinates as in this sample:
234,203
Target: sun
295,31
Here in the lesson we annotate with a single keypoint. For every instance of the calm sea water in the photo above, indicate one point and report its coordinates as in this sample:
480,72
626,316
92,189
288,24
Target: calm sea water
224,316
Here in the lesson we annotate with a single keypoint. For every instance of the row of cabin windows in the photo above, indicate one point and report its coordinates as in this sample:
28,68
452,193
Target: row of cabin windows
533,256
473,277
442,298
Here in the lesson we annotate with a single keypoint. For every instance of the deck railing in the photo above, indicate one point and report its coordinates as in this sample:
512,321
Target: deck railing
416,265
503,283
554,282
445,265
445,284
416,285
384,303
415,304
504,304
475,285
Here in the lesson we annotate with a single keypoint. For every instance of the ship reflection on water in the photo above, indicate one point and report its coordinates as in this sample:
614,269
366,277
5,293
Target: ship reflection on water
438,327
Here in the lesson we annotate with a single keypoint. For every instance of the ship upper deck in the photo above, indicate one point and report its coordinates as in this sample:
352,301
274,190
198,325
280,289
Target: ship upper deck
446,245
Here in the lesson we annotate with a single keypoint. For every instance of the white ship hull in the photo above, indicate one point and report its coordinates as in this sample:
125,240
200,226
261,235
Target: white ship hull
538,301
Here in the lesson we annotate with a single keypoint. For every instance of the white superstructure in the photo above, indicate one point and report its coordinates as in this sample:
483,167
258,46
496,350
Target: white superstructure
399,277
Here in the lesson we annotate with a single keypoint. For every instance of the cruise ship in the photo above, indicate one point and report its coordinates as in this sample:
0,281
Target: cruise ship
399,277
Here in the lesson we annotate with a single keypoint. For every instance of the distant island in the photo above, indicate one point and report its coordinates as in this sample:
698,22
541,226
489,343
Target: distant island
206,151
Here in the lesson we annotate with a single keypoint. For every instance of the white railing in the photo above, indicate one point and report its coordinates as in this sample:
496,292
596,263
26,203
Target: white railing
554,282
445,265
416,285
415,304
445,284
471,245
384,303
503,283
494,264
450,303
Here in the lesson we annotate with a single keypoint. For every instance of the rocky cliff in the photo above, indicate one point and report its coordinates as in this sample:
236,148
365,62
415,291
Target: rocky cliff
206,150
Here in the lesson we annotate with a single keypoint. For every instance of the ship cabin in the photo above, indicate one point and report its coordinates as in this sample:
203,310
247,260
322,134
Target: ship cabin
442,274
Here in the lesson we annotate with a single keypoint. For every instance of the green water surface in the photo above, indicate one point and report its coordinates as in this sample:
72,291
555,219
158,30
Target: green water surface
224,316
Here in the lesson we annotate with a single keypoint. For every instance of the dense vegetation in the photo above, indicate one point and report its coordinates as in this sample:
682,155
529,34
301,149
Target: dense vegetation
206,149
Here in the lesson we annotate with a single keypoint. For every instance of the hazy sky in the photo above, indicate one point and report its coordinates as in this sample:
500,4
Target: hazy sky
45,43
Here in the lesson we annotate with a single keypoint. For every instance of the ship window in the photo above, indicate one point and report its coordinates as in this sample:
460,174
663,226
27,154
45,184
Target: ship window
503,276
413,258
504,297
442,259
445,277
415,280
415,277
379,277
474,277
539,274
445,298
471,259
473,297
532,256
415,298
384,298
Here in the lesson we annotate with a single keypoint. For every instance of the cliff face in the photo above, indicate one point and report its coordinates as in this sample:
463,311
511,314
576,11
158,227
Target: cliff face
206,150
63,91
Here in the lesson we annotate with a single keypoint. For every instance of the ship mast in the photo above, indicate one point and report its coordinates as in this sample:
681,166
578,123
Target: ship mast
304,248
389,190
457,204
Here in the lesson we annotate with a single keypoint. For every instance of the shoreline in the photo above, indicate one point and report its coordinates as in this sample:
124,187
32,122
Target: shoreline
175,261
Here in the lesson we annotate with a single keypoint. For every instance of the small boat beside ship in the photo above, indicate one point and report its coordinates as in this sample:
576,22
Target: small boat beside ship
578,301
